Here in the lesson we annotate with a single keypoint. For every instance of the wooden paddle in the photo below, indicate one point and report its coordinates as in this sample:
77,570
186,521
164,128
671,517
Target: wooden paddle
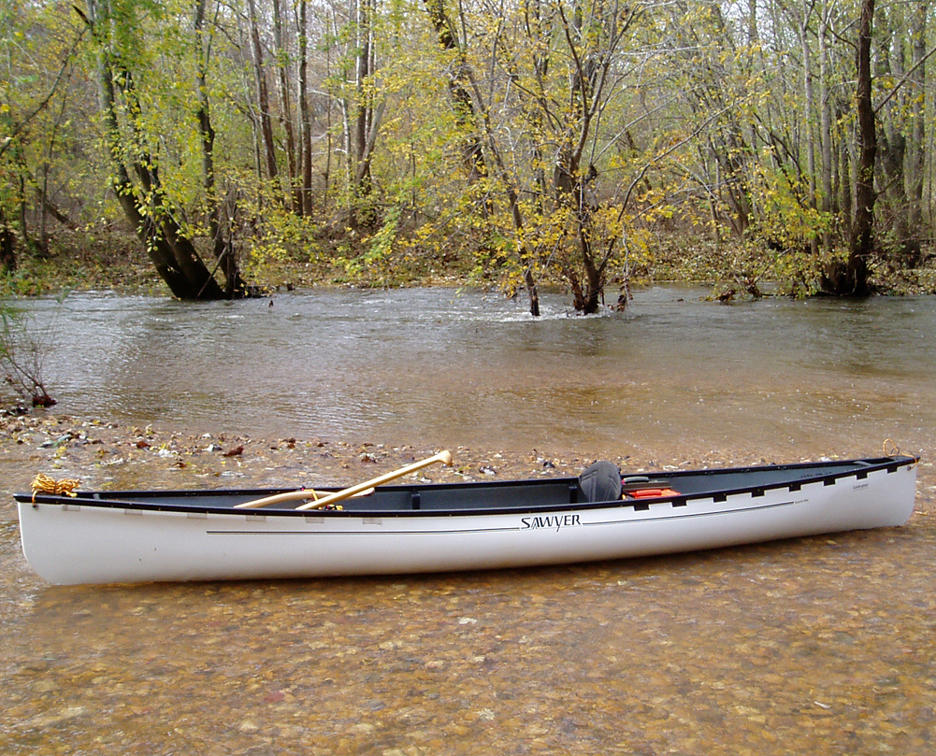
309,493
444,457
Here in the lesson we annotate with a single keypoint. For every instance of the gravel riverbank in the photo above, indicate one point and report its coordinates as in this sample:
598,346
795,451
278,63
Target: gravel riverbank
819,645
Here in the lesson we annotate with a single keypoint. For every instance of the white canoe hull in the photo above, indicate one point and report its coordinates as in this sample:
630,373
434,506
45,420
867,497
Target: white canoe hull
83,543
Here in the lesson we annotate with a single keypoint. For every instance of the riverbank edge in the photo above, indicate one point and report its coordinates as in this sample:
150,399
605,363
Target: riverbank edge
119,265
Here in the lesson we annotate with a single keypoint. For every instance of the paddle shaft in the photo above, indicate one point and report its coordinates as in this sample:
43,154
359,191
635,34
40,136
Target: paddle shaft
302,493
444,457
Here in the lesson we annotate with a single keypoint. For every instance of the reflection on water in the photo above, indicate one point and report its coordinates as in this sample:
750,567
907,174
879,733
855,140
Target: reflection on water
443,367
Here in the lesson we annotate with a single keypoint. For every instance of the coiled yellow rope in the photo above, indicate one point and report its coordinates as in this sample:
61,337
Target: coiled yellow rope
44,484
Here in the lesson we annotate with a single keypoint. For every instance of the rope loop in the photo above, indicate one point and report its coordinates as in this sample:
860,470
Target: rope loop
44,484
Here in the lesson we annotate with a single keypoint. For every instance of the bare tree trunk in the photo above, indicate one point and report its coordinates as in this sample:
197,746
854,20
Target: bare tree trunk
845,185
205,129
329,105
865,195
21,204
263,97
482,113
222,244
892,135
916,155
145,206
513,202
305,118
286,115
516,213
809,105
472,153
851,277
573,183
50,208
363,122
809,99
825,122
7,246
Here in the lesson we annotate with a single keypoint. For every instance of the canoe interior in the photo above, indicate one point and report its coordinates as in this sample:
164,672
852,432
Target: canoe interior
497,496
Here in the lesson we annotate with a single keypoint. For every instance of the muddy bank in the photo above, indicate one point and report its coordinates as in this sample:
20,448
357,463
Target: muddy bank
821,644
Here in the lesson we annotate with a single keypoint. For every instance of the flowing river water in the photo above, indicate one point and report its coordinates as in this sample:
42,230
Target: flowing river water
818,645
440,367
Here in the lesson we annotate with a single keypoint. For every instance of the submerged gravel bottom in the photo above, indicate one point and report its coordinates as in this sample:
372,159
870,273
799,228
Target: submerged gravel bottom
819,645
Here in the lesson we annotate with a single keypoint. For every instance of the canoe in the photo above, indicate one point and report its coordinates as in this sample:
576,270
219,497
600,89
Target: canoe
137,536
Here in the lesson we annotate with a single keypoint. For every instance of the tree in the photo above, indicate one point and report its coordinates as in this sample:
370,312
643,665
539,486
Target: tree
137,178
850,276
544,110
575,137
37,73
916,145
355,87
23,349
305,119
219,230
459,83
900,112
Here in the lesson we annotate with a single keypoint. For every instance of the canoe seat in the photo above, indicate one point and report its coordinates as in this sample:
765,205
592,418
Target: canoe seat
600,481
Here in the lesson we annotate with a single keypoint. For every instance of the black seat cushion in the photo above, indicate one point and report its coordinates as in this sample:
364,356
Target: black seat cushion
601,481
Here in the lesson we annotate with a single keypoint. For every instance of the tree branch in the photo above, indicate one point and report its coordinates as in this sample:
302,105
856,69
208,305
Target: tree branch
903,80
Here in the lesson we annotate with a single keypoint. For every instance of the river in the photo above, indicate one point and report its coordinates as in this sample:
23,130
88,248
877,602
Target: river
817,645
442,367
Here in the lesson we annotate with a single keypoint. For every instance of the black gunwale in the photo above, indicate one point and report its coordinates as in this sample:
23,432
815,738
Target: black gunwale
122,499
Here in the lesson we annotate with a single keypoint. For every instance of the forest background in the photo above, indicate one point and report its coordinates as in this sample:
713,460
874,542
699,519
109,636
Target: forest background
233,145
